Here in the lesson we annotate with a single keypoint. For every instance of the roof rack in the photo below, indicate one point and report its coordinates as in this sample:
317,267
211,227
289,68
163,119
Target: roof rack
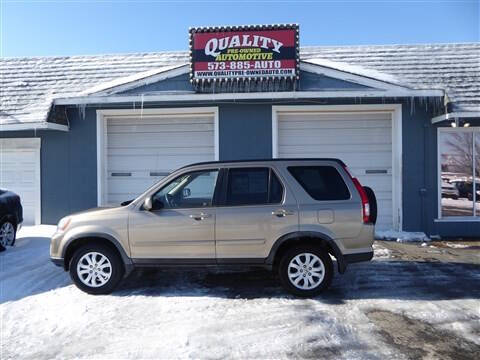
263,160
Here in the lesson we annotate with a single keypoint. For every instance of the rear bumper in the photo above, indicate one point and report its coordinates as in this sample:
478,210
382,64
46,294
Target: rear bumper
57,261
359,257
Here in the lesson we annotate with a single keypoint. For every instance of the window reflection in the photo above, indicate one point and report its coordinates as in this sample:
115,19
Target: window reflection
456,156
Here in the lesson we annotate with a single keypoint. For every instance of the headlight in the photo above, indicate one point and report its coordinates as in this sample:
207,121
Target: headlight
63,224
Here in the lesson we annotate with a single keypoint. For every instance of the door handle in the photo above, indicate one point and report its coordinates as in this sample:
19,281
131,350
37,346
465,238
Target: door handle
200,216
282,212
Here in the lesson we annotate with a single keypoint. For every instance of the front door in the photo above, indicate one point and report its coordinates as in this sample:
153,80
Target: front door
181,223
255,212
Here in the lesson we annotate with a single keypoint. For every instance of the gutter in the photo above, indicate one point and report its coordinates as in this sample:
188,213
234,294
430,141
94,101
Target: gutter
34,126
455,115
290,95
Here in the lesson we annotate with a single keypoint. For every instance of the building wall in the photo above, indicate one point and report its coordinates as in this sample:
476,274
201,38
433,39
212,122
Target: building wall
69,174
245,131
68,166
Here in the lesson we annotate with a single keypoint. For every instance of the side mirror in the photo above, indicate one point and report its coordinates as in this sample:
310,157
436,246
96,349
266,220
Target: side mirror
147,204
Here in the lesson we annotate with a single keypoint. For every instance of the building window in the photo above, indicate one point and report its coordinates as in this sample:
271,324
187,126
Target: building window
459,183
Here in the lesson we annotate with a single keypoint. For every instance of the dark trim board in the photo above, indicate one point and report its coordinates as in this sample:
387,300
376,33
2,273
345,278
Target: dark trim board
354,258
196,262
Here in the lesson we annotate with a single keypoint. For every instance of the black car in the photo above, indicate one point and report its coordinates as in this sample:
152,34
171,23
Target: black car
11,217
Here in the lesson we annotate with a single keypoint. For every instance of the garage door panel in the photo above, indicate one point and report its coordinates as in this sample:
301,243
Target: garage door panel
337,117
162,151
199,138
137,129
132,185
140,151
159,120
332,136
380,161
363,141
353,148
345,125
153,163
18,173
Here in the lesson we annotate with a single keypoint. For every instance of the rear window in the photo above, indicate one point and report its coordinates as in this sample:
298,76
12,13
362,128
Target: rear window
321,182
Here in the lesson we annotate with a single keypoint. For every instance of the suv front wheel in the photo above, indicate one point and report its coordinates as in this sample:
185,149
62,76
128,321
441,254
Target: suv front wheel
96,269
306,270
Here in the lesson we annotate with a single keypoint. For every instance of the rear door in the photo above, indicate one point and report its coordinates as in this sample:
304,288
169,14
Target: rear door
255,210
326,200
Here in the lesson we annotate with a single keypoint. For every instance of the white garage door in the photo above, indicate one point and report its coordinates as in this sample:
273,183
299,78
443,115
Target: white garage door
362,140
20,173
142,150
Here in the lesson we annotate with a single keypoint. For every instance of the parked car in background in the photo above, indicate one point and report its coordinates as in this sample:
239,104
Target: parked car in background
449,191
11,217
289,215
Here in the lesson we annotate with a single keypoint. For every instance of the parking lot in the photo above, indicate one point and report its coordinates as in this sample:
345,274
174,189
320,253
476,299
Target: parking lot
411,301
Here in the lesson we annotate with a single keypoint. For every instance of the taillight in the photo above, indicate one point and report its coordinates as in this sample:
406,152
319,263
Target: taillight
363,197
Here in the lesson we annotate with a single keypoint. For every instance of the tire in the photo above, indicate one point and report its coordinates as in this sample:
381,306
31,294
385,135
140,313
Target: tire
105,259
297,256
8,233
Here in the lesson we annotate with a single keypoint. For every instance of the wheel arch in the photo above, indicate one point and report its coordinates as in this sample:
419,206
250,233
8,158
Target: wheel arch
98,238
286,241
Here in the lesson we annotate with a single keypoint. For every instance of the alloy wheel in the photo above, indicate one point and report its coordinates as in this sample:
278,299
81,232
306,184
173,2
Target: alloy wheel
306,271
7,234
94,269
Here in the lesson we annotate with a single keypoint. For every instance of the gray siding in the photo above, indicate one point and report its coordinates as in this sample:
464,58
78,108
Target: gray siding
68,166
308,82
69,173
245,131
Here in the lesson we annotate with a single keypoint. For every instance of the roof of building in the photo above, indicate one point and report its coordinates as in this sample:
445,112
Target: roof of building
28,85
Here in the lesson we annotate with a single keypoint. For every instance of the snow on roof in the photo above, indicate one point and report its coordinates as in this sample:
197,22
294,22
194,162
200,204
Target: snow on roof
357,70
28,85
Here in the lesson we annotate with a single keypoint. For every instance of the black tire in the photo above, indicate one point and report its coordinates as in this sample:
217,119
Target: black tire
14,227
323,256
117,269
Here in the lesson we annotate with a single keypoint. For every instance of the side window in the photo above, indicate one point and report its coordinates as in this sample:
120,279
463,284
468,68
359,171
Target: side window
276,189
321,182
253,186
190,190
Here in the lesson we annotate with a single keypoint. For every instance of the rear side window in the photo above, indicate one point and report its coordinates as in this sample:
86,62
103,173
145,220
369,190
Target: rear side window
253,186
321,182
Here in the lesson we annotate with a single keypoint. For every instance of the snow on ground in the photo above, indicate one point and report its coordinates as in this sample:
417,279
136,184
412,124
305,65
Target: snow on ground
380,252
457,246
234,313
400,236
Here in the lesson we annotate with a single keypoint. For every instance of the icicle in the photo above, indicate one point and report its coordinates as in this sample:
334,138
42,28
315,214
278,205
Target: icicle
81,110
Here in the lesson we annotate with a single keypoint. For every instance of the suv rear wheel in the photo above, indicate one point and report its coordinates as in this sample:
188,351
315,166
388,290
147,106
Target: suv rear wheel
306,270
96,269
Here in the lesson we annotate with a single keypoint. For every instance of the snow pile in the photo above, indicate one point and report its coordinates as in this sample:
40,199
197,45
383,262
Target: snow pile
401,236
381,253
457,246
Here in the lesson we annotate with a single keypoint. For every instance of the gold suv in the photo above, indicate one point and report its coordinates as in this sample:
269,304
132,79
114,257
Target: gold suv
289,215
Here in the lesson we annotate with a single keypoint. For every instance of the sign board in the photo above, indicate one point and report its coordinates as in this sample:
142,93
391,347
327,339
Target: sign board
244,52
